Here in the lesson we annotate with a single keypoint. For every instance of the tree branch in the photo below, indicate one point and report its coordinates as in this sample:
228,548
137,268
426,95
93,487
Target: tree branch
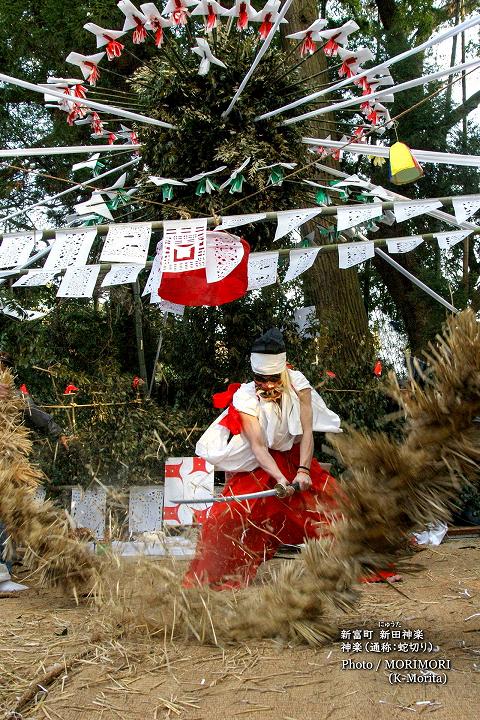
462,111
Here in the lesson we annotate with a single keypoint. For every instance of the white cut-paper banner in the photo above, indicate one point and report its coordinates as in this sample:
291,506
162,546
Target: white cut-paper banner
145,508
262,269
22,314
348,217
15,249
184,245
127,244
35,278
289,220
79,282
71,248
88,510
165,306
303,318
406,210
230,221
224,254
155,276
187,477
350,254
446,240
301,260
122,274
404,244
466,206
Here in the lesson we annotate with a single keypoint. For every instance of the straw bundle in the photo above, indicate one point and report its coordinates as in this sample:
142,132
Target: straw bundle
53,555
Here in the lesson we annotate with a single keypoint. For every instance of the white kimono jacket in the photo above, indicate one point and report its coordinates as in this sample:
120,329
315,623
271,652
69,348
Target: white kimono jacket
280,424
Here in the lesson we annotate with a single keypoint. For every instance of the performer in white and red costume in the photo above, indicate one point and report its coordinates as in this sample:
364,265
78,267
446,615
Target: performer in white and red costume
264,438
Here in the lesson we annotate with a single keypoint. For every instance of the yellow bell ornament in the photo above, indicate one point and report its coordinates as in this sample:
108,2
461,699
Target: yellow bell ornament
403,166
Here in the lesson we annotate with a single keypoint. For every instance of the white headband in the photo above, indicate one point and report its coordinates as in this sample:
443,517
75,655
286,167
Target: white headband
264,364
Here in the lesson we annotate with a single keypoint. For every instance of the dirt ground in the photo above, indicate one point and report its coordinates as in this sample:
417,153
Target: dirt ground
158,679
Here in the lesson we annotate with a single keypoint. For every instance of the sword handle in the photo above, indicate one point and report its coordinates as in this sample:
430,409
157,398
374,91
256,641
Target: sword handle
281,491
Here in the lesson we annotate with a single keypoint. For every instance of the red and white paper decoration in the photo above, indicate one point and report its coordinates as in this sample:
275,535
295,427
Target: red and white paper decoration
289,220
71,247
155,21
413,208
262,270
211,10
446,240
127,243
404,244
350,254
466,206
134,20
88,64
16,248
79,282
352,215
122,274
301,260
108,38
310,36
267,17
184,245
186,477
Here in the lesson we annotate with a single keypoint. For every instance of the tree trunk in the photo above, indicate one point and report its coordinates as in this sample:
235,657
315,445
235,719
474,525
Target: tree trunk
335,293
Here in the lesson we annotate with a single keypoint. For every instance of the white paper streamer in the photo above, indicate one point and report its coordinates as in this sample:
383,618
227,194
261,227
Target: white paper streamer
79,282
165,306
15,249
466,206
155,276
230,221
405,244
184,245
350,254
300,261
122,274
71,248
406,210
35,278
348,217
262,270
446,240
127,244
289,220
224,253
145,504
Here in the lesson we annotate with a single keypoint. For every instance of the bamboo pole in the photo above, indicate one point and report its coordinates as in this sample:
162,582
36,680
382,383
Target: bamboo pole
137,311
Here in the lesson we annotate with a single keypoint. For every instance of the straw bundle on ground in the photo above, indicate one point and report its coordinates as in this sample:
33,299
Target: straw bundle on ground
51,552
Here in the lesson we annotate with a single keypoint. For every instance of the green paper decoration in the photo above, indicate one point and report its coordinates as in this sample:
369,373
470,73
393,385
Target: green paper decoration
167,192
276,176
236,183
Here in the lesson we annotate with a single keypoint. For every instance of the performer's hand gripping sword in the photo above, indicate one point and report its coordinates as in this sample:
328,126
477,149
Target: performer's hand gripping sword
279,491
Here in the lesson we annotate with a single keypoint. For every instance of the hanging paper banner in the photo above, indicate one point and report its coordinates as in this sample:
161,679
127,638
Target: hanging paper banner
35,278
165,306
122,274
465,206
186,477
301,260
184,245
289,220
224,254
127,244
71,248
145,504
404,244
350,254
406,210
79,282
19,313
446,240
348,217
16,248
304,316
262,270
230,221
155,276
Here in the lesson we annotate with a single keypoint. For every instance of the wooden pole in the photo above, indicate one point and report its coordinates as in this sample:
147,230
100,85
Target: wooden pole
138,312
